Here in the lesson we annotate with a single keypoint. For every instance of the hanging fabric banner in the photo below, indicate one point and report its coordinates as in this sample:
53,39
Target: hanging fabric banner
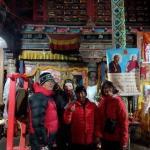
64,43
124,70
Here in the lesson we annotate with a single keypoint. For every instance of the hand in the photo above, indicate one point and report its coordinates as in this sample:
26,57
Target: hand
98,146
73,108
125,147
98,143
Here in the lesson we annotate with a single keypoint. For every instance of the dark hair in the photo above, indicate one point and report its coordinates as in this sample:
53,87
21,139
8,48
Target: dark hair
56,87
116,56
80,89
108,84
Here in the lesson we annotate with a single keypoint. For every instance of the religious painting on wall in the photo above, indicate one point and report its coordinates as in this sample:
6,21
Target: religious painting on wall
124,70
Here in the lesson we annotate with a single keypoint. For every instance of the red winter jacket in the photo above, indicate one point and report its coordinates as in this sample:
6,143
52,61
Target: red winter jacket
114,108
82,122
50,120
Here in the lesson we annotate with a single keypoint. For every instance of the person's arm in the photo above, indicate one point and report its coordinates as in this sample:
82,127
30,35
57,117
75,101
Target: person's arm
99,117
119,71
127,66
123,121
111,67
68,113
97,134
38,108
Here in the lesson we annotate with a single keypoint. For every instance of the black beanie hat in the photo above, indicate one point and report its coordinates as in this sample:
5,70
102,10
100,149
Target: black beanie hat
46,76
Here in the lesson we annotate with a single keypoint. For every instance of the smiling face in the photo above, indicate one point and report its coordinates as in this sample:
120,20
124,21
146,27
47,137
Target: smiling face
68,86
116,58
108,91
134,58
49,85
81,96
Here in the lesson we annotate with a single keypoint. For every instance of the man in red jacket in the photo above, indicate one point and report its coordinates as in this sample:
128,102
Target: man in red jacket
43,120
112,119
80,114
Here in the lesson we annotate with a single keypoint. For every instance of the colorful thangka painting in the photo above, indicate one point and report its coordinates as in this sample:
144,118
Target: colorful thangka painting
124,70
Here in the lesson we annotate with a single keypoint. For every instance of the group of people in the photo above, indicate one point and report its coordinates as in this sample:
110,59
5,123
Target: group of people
131,66
67,119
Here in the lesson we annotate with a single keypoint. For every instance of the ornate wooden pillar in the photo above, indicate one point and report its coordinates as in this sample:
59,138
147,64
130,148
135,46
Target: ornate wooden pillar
118,24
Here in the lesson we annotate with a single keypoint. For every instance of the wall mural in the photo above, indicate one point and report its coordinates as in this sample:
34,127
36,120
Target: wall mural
124,70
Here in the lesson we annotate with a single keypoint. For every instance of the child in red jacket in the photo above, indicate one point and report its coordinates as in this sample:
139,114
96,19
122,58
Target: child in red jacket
80,114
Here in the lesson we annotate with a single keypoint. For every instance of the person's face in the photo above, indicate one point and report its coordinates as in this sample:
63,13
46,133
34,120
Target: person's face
68,87
49,85
116,58
81,96
108,91
134,58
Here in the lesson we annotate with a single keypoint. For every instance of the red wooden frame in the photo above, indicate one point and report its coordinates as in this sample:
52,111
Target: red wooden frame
11,113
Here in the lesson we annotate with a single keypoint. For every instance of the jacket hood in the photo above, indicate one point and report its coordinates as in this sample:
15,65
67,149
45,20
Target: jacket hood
40,89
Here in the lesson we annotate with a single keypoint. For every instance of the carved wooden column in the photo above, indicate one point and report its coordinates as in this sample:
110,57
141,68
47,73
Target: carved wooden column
118,24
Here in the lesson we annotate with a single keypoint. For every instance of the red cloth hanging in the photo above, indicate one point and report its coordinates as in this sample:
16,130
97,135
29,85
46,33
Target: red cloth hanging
64,43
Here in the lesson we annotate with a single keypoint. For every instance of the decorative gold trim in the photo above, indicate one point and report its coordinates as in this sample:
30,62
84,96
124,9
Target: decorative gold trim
72,69
45,55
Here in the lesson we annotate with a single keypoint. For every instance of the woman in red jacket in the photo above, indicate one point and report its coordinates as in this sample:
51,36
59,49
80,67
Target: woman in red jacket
80,114
112,119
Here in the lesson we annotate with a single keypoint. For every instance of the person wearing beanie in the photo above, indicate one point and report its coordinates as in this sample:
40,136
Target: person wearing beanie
43,119
80,114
